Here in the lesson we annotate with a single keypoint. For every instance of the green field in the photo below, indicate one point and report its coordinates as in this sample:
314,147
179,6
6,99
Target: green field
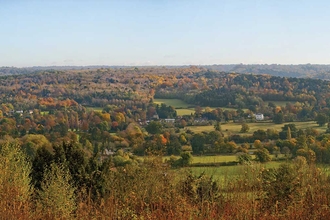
282,103
209,159
44,112
223,172
183,108
185,111
214,159
234,128
176,103
96,109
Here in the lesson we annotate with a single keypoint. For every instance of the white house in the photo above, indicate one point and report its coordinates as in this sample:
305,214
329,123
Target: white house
169,120
259,117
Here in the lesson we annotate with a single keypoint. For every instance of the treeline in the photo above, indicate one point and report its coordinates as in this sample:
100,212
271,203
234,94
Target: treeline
241,91
138,86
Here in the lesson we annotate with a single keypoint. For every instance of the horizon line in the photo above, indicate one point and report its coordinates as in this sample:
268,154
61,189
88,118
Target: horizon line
169,65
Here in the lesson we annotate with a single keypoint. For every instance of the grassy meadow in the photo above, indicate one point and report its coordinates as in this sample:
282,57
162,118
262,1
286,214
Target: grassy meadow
176,103
183,108
282,103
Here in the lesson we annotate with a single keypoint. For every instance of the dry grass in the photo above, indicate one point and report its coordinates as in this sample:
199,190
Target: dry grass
185,111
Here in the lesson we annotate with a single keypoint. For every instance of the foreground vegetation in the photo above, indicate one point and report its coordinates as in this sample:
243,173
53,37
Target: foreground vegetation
151,190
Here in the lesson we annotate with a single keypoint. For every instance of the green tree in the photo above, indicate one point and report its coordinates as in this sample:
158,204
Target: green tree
244,158
262,155
32,142
185,160
322,119
197,143
56,198
245,128
278,118
154,127
280,186
217,126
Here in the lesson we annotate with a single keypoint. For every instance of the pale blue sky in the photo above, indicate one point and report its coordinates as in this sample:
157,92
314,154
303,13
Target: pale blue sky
163,32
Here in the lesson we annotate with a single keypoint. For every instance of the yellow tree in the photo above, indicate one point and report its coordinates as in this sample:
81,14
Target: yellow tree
257,144
15,189
120,117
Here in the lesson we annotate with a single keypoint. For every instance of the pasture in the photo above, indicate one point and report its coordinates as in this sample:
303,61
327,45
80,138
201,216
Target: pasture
281,103
185,111
183,108
176,103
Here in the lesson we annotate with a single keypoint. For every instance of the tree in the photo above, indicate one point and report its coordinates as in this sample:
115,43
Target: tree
257,144
186,159
288,133
322,119
262,155
217,126
15,188
245,128
56,198
197,143
154,127
308,154
284,134
120,117
244,158
32,142
278,118
286,151
260,135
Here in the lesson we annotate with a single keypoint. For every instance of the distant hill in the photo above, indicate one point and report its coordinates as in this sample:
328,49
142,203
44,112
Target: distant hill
5,70
315,71
26,70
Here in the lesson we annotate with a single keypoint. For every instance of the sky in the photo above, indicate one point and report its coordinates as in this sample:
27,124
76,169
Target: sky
163,32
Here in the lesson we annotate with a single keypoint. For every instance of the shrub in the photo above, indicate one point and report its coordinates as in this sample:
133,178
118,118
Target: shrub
262,155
